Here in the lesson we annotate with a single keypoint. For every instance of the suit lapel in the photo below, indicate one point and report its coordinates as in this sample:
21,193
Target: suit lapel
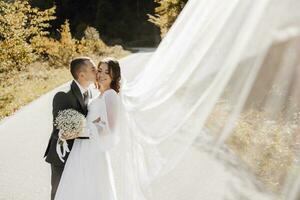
78,95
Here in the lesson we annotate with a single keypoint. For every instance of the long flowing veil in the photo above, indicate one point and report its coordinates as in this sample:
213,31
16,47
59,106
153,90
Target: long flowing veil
224,81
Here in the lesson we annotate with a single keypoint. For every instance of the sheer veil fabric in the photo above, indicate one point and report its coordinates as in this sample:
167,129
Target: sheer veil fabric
221,62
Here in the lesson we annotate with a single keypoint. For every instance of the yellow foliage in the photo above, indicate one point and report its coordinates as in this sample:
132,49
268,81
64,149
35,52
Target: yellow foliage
23,40
20,89
14,55
59,52
91,43
166,14
19,25
267,144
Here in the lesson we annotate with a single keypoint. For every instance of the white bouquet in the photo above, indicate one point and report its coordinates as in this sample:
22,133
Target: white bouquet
71,124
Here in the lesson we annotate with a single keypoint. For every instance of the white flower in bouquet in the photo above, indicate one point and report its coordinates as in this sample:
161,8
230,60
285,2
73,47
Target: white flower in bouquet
71,124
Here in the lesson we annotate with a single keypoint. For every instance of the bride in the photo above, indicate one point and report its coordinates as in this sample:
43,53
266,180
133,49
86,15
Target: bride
88,173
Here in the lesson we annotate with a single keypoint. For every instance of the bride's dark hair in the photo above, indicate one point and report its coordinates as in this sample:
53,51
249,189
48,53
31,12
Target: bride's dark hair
114,72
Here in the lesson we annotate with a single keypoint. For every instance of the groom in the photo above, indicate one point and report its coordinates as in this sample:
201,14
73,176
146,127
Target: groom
83,71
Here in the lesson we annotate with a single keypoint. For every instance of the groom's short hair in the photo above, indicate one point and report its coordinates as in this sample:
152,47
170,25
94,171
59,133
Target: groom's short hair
77,65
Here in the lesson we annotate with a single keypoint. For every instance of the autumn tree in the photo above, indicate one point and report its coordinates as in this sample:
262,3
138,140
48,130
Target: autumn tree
166,14
20,24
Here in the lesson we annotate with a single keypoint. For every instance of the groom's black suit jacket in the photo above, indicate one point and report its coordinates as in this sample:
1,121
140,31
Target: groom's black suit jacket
61,101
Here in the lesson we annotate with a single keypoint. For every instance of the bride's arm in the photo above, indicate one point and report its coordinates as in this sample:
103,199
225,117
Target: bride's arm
112,104
108,126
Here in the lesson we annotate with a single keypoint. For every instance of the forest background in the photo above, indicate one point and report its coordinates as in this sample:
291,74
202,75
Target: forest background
39,38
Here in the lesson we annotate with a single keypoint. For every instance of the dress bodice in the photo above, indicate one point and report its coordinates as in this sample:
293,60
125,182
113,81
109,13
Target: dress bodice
102,132
88,173
96,108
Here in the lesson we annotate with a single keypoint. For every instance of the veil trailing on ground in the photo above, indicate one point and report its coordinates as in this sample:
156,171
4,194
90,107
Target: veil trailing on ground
227,71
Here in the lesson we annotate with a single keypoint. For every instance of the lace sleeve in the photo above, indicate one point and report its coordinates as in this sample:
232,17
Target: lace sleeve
112,110
109,132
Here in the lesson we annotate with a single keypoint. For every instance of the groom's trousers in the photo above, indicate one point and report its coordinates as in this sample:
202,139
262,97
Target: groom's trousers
56,172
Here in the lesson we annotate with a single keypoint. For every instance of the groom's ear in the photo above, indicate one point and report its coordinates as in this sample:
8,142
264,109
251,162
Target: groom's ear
80,74
77,65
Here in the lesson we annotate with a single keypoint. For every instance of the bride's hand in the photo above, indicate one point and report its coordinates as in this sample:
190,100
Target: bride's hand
97,120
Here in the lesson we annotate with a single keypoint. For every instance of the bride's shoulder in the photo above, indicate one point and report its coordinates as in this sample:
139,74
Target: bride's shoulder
95,98
110,92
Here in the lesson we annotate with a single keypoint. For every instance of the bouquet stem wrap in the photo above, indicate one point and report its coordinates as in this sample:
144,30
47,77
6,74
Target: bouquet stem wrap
65,149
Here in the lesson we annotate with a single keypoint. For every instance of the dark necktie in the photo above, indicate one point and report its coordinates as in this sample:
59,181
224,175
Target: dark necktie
86,98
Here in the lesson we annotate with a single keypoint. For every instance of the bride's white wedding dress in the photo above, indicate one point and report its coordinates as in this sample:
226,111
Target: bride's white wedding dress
88,173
